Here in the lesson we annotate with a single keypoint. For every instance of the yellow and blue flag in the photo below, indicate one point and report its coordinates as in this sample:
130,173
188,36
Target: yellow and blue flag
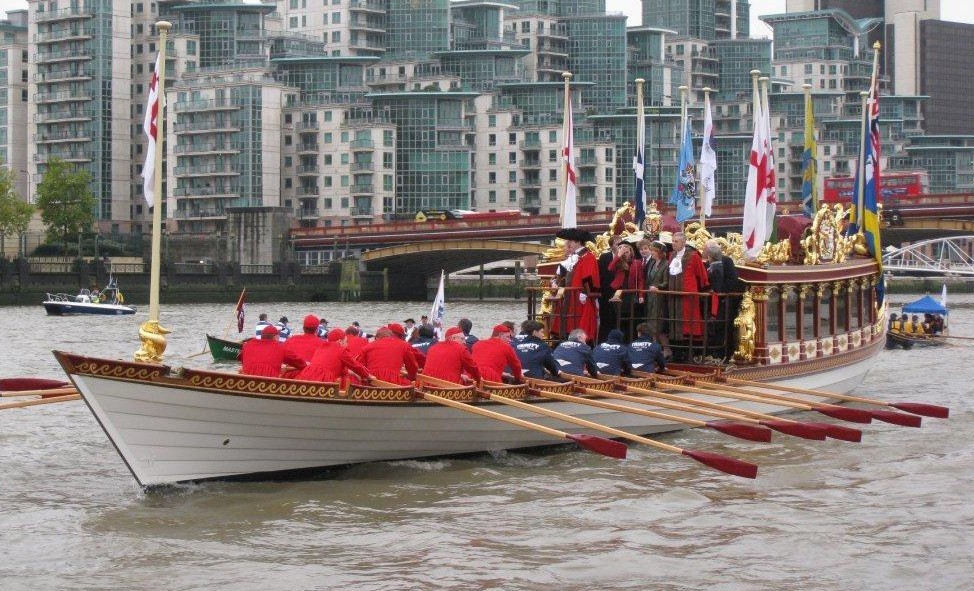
684,195
867,191
809,164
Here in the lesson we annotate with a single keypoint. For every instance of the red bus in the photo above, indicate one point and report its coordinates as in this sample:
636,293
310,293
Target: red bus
894,185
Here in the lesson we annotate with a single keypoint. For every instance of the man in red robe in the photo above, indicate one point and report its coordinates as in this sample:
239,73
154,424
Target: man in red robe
305,344
264,356
496,354
688,274
579,273
332,362
386,356
449,360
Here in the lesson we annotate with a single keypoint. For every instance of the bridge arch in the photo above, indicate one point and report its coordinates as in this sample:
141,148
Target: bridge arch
940,256
450,255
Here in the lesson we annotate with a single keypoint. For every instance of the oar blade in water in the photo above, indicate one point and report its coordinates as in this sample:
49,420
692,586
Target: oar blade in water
919,408
725,464
796,429
844,413
840,432
897,418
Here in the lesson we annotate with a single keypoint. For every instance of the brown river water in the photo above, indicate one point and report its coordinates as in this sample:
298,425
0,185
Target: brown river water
894,512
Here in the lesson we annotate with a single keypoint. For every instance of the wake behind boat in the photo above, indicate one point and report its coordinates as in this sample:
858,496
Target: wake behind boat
109,301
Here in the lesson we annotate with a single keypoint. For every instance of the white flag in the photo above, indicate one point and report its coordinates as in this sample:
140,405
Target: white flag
708,160
150,126
570,204
438,311
756,194
943,296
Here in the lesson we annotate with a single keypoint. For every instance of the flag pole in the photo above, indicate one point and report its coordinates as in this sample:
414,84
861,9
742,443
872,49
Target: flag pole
568,218
861,166
772,231
640,152
151,334
683,130
702,194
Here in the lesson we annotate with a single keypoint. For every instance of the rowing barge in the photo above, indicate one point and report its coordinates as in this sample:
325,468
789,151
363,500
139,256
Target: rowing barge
811,325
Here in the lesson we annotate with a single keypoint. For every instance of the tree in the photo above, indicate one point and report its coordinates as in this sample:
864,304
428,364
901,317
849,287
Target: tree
14,212
65,200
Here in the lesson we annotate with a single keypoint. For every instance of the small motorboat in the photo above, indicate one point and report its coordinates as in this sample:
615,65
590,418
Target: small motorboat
108,301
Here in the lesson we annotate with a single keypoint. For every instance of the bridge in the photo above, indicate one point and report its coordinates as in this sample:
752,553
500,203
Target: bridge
450,255
458,244
938,256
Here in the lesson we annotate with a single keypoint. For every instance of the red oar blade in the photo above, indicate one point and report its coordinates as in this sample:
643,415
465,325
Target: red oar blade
796,429
844,413
601,445
897,418
919,408
742,430
723,463
840,432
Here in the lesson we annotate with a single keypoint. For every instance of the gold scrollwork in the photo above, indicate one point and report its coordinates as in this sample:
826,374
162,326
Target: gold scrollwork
119,370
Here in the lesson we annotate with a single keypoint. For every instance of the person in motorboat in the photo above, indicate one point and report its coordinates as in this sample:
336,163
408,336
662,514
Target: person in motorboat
574,356
305,344
534,353
387,356
644,353
495,357
410,325
332,362
612,356
894,323
264,356
450,360
262,323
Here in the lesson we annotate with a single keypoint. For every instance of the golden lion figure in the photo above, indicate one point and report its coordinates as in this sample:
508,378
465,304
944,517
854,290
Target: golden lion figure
746,329
153,339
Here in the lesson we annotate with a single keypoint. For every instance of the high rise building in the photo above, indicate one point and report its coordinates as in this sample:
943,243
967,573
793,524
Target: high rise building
946,55
855,8
903,21
700,19
14,96
80,109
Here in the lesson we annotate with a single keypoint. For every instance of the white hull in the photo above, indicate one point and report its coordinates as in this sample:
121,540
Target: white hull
174,433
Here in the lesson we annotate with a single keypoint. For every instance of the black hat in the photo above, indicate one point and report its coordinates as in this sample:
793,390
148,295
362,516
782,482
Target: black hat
576,234
284,319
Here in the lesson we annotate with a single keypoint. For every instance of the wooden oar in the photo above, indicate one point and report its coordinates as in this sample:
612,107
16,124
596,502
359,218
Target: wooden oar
35,402
739,430
600,445
46,393
805,430
723,463
917,408
950,336
853,415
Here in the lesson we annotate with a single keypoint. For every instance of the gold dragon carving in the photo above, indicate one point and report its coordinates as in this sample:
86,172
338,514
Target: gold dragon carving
746,329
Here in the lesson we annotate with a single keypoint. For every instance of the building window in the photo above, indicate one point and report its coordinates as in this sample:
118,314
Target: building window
491,196
512,158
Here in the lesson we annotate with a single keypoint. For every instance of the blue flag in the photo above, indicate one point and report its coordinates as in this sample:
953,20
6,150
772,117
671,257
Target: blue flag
684,195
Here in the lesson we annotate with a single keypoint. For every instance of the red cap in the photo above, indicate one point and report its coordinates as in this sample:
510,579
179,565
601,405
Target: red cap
501,329
335,335
452,331
311,321
397,328
268,332
352,330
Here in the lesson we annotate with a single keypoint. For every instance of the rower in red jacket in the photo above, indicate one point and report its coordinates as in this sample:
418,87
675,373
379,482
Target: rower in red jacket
449,359
386,356
496,354
356,342
400,333
305,344
264,356
332,362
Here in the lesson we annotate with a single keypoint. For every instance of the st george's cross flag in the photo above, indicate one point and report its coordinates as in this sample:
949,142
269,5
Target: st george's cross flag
151,128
